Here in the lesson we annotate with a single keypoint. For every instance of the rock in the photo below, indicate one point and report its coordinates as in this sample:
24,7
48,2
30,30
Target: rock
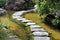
41,38
40,34
18,5
58,13
2,11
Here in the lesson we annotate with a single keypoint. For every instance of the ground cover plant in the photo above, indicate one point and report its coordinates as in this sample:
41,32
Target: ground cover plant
2,3
3,34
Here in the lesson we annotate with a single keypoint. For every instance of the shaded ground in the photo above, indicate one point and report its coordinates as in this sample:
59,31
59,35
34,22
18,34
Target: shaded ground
36,18
14,27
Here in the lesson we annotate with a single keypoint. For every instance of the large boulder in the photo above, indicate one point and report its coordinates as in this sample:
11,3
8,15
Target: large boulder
2,11
19,5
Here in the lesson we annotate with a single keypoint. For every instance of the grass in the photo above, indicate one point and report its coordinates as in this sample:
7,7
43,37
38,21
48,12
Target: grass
14,27
55,34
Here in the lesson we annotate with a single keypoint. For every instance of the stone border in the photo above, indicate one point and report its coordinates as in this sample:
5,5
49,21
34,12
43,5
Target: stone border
38,32
10,35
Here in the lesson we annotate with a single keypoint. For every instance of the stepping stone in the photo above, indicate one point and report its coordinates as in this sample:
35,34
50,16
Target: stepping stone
26,21
34,10
30,24
40,33
35,26
41,38
13,36
19,12
10,34
23,12
36,30
21,19
16,14
15,17
6,30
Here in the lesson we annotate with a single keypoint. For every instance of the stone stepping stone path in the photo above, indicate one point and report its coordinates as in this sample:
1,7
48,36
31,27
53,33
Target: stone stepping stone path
25,21
41,38
10,36
21,19
38,32
28,24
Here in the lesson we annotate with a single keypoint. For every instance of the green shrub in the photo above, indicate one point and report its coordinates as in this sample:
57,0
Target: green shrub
2,3
2,35
46,6
41,7
49,7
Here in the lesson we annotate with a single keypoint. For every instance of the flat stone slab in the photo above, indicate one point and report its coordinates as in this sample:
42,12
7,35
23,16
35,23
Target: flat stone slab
41,38
18,13
6,30
26,21
40,29
13,39
15,17
21,19
41,33
12,36
35,26
30,24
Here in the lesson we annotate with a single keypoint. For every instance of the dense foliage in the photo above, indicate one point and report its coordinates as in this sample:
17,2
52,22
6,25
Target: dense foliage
2,3
2,33
47,6
52,9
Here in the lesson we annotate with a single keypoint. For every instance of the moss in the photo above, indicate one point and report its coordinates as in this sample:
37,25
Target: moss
14,27
55,34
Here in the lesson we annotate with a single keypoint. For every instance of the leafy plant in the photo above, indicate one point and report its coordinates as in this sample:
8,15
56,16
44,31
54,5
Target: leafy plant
40,6
46,6
2,3
2,35
56,21
51,8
